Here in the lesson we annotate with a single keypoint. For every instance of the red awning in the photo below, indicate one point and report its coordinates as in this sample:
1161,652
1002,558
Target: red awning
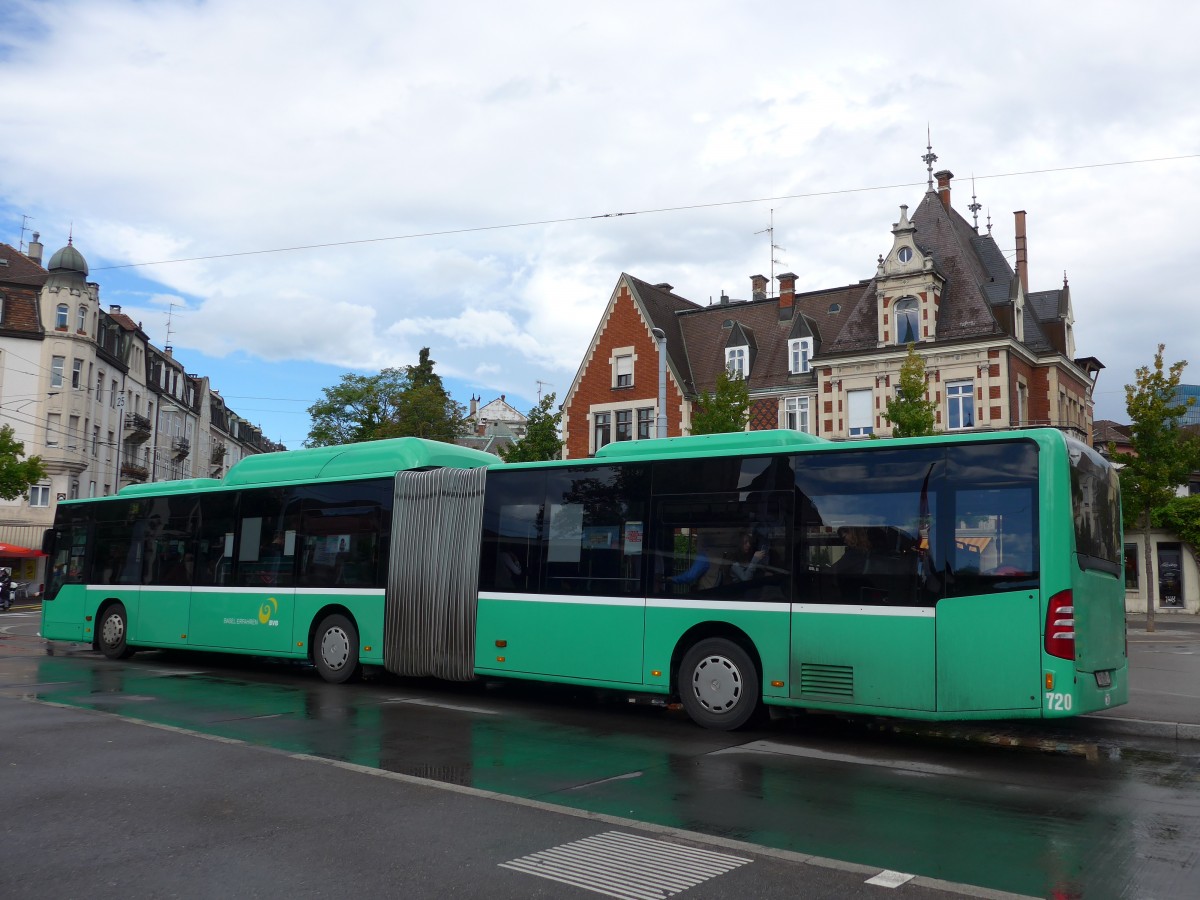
12,551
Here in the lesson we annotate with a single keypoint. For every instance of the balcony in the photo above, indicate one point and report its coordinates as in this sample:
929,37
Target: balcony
134,472
181,447
137,428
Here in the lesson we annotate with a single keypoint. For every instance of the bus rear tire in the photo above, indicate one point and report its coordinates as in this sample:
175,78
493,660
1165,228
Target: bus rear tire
113,632
335,649
719,685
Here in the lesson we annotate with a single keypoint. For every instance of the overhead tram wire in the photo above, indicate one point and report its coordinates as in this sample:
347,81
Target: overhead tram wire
636,212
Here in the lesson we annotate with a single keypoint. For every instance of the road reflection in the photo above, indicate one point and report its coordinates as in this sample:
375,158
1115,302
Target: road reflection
1124,825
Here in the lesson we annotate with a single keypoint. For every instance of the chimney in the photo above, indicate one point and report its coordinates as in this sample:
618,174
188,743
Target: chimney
787,294
758,287
114,308
169,350
724,298
474,405
1022,250
943,178
35,249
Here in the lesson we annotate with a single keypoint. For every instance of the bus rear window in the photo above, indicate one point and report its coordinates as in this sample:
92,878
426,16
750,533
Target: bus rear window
1096,509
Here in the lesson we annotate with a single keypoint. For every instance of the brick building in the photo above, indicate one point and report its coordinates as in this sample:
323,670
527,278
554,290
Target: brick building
825,361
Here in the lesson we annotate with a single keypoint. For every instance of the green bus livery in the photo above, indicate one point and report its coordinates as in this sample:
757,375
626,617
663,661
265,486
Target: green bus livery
953,577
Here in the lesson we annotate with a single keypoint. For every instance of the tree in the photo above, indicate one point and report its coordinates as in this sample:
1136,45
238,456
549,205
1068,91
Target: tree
911,413
541,439
726,409
16,476
393,403
1163,454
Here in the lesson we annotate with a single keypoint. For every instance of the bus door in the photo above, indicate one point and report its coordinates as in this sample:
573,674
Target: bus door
863,619
143,559
244,598
63,607
988,618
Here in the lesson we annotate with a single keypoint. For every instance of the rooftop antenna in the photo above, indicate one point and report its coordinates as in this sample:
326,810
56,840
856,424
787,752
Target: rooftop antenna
930,157
170,315
25,220
542,384
974,206
769,231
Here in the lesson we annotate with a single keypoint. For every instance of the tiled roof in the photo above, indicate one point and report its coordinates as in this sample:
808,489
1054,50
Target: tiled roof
661,306
21,279
1048,305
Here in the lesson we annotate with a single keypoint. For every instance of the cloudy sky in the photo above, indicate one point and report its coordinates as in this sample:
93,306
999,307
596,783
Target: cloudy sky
419,139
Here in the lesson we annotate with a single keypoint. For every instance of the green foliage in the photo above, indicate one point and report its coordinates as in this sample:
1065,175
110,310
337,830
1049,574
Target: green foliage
541,439
911,413
1181,516
724,410
409,402
1163,453
16,475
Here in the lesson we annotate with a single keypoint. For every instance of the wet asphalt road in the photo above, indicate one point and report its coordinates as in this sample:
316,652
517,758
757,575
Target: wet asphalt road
187,775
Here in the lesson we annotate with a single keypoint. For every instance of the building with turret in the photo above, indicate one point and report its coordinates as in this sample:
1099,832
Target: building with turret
83,388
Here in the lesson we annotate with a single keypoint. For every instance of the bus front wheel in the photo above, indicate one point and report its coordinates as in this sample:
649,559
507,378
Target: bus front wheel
718,685
335,649
113,632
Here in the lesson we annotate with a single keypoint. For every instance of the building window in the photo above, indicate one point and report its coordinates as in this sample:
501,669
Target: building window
73,433
91,489
53,428
82,321
603,430
907,325
858,413
112,395
960,397
77,373
625,425
799,351
39,495
735,361
624,371
57,365
96,440
795,414
645,424
1022,404
60,317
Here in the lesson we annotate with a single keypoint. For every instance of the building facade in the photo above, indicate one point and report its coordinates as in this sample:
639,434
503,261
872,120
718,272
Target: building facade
826,361
84,389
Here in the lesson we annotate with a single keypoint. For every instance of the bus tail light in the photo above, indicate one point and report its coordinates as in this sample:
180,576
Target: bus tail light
1060,626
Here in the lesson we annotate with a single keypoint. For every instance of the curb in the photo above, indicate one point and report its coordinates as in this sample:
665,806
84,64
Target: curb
1179,731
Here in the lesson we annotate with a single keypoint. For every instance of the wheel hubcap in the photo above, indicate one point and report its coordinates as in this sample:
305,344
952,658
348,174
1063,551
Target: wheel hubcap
113,631
335,648
717,684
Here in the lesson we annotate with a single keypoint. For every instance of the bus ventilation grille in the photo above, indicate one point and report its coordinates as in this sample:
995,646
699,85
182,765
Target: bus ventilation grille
836,681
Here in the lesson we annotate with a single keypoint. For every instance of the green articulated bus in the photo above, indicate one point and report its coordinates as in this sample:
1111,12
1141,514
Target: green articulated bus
953,577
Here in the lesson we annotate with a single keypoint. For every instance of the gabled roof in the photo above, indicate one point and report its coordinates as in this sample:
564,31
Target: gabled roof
19,270
661,305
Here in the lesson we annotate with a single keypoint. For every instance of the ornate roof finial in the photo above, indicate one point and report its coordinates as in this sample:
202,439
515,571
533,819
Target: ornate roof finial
989,221
70,232
974,205
930,157
1064,278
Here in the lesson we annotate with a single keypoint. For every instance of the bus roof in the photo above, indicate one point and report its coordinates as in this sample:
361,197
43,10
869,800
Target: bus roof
691,445
365,460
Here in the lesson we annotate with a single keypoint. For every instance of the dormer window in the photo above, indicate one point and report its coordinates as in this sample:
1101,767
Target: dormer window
735,361
799,355
907,313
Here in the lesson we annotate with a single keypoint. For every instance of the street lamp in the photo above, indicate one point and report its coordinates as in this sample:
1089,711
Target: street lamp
661,337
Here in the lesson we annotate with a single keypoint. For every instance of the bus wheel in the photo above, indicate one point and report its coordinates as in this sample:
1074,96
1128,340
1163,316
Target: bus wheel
114,629
718,685
335,649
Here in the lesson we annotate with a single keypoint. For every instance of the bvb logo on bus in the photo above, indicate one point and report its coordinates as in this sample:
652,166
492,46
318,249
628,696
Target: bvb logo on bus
267,610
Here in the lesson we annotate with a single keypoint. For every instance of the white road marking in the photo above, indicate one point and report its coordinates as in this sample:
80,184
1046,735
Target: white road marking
889,879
